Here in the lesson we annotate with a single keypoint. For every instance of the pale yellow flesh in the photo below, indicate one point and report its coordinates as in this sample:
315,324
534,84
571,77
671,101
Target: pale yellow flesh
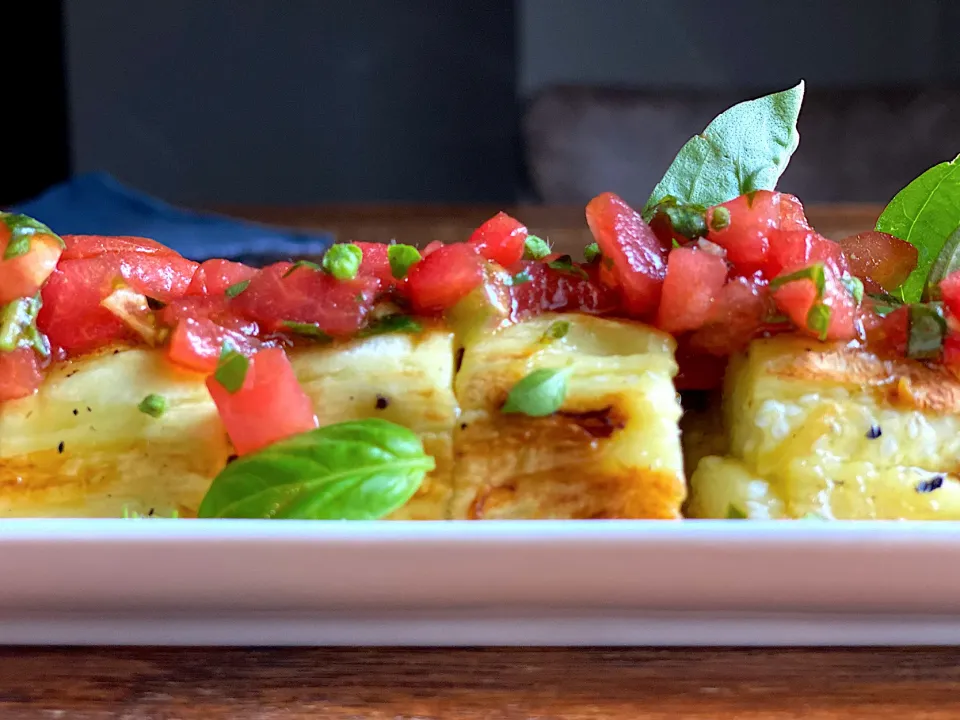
797,418
115,458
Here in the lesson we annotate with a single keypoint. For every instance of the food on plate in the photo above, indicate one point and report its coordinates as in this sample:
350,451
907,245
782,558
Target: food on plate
496,378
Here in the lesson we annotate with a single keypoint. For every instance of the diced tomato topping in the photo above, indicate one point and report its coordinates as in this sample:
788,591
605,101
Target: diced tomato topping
550,290
501,239
200,327
950,293
796,299
72,316
213,277
270,406
800,248
792,217
376,262
637,255
746,234
80,247
739,312
882,261
23,276
276,295
694,278
889,334
444,277
19,374
431,246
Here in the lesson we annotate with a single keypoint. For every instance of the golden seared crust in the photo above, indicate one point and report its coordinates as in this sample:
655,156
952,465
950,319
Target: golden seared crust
611,452
836,432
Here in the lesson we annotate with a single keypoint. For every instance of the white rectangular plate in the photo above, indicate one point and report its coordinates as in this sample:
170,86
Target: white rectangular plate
482,583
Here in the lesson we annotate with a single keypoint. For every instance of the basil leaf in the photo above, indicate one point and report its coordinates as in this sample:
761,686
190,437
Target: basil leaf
535,248
925,213
720,220
885,303
926,330
237,288
153,405
591,252
735,513
231,369
948,261
360,470
310,330
744,149
564,264
22,229
520,278
539,394
854,286
402,258
18,326
818,320
301,264
688,220
343,261
392,324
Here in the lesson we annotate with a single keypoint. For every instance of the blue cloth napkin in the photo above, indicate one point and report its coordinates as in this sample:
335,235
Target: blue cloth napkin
98,204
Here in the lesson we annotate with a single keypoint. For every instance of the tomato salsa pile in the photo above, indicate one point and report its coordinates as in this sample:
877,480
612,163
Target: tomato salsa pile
714,278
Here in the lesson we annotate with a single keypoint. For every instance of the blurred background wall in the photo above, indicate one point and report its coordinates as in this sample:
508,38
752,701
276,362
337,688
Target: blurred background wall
316,101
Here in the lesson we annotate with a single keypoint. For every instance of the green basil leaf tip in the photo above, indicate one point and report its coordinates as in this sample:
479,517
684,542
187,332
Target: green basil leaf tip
237,288
18,326
818,320
744,149
153,405
231,369
343,261
564,264
535,248
815,273
557,330
359,470
302,264
591,252
392,324
401,259
854,286
539,394
310,330
925,214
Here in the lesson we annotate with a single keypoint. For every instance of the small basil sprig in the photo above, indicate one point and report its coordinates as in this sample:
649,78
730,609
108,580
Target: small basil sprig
231,369
591,252
539,394
22,229
744,149
535,248
236,288
343,261
925,214
153,405
401,259
360,470
688,220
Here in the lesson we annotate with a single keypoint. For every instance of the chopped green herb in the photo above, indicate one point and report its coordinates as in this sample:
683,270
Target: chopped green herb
18,326
22,229
591,252
237,288
391,324
302,264
720,219
535,248
818,320
564,264
231,369
153,405
686,219
735,513
885,303
926,330
402,258
556,330
310,330
674,243
520,278
854,286
815,273
343,261
539,394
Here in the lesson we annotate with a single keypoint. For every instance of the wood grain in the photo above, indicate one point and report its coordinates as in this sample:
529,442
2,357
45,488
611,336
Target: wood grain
208,684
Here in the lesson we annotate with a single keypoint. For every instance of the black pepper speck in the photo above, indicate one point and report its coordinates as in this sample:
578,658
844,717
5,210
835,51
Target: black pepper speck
76,411
382,402
934,483
874,432
60,447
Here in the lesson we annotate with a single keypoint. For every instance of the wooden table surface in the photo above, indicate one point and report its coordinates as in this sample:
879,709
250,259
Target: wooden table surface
611,684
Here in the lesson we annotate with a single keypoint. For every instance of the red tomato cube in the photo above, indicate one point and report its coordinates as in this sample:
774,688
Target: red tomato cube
639,259
882,261
737,315
80,247
797,299
444,277
744,227
694,278
269,407
19,374
550,290
213,277
950,293
501,239
23,276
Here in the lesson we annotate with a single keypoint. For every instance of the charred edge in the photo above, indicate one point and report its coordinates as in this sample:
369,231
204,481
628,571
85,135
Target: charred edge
597,423
458,360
